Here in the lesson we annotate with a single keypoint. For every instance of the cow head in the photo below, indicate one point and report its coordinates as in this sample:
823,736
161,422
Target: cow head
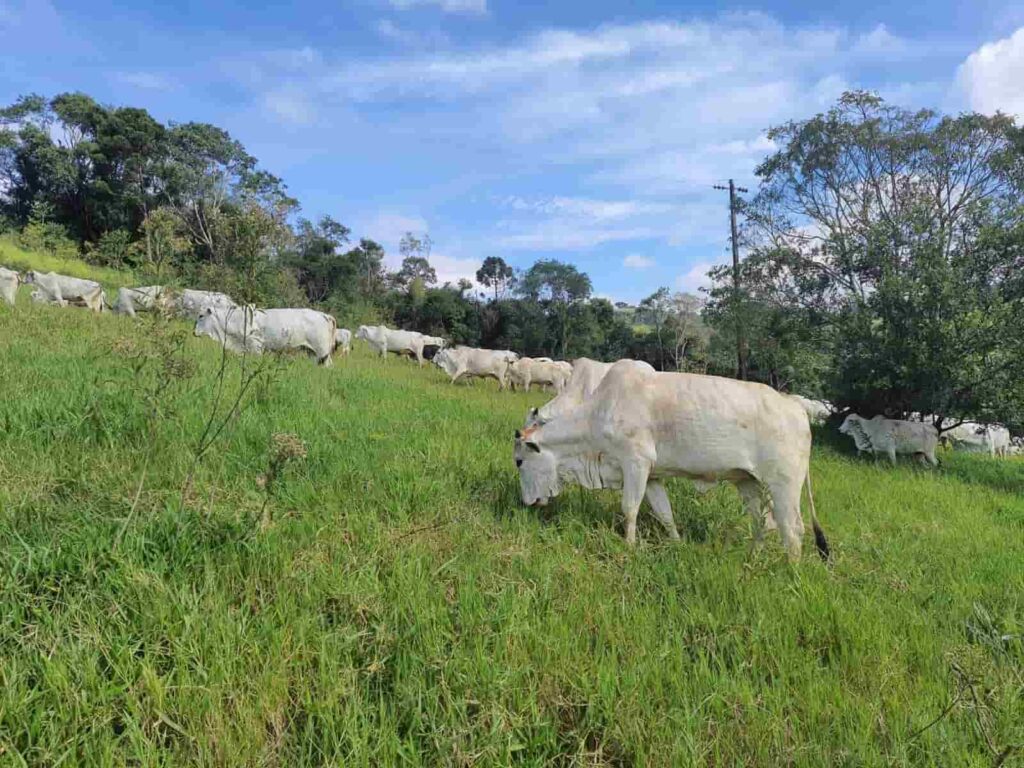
538,469
30,277
207,325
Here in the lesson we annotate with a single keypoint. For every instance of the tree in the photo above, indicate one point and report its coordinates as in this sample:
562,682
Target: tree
413,269
320,267
876,237
559,286
656,309
494,273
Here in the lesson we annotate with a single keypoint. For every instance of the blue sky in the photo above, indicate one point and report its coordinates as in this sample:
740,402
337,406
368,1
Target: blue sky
589,132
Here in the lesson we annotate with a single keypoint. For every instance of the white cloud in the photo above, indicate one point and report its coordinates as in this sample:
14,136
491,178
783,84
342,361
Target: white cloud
636,261
451,269
881,43
149,81
388,30
558,236
991,78
695,278
448,6
289,105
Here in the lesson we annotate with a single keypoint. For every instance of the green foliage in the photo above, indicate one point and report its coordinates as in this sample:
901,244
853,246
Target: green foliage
113,249
12,255
885,242
402,606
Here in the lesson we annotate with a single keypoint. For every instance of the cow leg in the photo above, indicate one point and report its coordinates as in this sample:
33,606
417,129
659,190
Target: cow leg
892,455
786,510
634,486
753,502
419,355
458,375
657,497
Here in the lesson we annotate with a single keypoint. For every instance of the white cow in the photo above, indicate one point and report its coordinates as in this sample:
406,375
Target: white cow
817,410
285,329
62,290
528,370
970,436
147,298
343,340
460,362
892,437
234,328
641,427
191,304
9,282
383,340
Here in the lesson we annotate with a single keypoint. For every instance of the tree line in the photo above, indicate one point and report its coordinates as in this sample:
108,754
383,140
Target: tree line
883,268
186,202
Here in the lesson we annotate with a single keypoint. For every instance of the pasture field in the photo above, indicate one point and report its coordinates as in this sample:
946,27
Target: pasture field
385,600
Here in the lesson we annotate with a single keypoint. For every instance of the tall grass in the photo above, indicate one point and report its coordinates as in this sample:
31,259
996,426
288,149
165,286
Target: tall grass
15,257
402,608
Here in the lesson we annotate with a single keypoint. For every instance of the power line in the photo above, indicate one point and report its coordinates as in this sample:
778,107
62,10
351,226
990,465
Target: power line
741,345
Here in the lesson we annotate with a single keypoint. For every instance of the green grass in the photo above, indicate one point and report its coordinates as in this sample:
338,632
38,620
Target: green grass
14,257
402,608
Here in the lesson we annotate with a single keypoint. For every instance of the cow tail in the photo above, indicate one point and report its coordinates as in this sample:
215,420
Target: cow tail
819,535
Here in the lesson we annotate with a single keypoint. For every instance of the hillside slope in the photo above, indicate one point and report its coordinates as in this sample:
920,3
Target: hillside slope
390,602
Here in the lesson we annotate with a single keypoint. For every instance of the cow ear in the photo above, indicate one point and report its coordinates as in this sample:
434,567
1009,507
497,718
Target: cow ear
533,447
534,412
519,435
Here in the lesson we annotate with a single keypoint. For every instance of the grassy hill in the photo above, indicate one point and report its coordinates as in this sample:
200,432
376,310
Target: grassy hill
388,601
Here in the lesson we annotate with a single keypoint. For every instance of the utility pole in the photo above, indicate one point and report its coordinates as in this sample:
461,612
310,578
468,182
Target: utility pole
741,343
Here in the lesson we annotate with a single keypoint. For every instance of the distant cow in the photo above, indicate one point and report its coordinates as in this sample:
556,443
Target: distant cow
383,340
131,300
892,437
461,362
9,282
343,340
246,329
234,328
62,290
189,304
817,410
973,437
527,370
285,329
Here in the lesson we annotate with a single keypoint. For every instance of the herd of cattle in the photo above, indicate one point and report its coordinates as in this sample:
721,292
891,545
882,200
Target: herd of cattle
611,425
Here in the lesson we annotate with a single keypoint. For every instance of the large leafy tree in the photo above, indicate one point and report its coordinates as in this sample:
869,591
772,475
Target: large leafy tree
558,287
883,234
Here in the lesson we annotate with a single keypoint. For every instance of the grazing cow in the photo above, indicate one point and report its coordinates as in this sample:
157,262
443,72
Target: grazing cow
892,437
9,282
528,370
234,328
191,304
462,362
383,340
62,290
973,437
641,427
285,329
817,410
343,340
147,298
